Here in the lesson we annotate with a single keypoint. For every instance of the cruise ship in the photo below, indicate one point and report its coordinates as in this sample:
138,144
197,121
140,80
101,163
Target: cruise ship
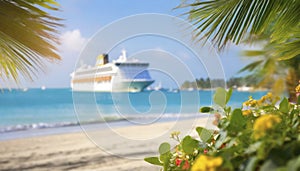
121,75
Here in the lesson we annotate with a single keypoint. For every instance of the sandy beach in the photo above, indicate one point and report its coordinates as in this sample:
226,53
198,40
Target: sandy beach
119,148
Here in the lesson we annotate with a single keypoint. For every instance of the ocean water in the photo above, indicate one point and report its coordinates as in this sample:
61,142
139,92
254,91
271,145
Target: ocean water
36,108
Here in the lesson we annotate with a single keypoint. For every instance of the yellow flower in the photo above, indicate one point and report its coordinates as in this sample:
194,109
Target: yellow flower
251,102
207,163
263,98
246,103
264,123
263,101
247,112
269,95
297,89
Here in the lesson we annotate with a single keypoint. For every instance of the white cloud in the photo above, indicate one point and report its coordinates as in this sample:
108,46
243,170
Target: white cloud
72,41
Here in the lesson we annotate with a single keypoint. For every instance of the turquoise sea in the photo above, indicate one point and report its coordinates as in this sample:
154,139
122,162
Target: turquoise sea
38,109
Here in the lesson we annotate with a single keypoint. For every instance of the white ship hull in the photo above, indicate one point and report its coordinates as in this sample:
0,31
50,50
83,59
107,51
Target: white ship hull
134,86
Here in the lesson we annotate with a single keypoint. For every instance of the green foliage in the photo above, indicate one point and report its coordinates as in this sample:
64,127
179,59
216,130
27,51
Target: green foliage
188,84
234,82
220,97
189,145
164,148
237,120
224,22
154,161
204,134
206,109
28,36
258,136
202,83
284,106
163,159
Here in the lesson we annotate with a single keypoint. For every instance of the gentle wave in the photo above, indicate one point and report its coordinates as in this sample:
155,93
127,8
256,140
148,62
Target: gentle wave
22,127
164,117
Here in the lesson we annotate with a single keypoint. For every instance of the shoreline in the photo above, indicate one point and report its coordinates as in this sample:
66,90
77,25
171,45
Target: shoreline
29,131
119,148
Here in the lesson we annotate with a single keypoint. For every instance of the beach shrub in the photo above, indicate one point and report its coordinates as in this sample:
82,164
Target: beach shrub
263,134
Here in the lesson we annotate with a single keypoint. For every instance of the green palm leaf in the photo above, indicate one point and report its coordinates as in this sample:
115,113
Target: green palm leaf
253,53
225,21
28,37
252,66
287,50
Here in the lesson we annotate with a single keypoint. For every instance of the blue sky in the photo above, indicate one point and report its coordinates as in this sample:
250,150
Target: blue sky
82,20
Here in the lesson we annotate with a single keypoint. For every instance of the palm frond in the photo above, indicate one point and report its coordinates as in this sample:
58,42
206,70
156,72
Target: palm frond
287,22
278,75
287,50
224,21
28,37
252,66
253,53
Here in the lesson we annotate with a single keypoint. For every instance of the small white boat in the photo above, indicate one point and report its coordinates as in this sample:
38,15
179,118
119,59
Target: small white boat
245,88
158,87
43,87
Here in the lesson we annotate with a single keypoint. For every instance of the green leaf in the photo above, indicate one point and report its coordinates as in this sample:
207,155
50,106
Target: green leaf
284,105
237,120
221,139
268,165
220,97
228,95
164,158
153,160
251,165
253,53
167,161
298,101
253,148
206,109
204,134
294,165
189,144
164,148
164,151
227,165
250,67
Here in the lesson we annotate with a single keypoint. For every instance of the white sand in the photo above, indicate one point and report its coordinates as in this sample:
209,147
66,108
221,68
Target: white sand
75,151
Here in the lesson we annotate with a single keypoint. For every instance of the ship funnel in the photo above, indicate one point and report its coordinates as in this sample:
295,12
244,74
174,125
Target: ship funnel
102,59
